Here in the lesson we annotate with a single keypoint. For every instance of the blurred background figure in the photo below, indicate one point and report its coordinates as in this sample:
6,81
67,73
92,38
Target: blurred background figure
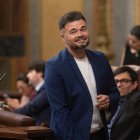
25,89
39,107
131,53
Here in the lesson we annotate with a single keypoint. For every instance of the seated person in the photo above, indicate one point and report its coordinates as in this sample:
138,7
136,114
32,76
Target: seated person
125,124
27,92
39,107
131,52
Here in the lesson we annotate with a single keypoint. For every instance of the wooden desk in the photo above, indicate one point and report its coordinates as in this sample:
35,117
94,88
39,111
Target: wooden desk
26,133
7,133
38,132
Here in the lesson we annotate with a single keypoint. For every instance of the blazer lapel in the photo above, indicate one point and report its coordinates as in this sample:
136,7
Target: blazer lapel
123,103
95,71
77,72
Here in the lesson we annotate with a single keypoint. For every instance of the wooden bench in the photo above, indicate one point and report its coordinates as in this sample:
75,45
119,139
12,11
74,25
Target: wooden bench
20,127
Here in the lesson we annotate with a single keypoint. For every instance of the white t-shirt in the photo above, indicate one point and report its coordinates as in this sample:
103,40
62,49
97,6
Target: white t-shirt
88,75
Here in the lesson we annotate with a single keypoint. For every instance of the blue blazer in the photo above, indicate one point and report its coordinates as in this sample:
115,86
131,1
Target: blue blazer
69,96
38,108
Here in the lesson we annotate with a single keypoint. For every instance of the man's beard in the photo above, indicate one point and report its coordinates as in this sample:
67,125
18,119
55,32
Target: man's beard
75,46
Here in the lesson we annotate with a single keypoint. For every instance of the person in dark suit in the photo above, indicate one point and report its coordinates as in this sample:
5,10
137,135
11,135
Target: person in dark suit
125,124
39,107
80,85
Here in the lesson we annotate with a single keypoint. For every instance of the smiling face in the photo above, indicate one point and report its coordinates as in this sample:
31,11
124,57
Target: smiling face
75,35
124,83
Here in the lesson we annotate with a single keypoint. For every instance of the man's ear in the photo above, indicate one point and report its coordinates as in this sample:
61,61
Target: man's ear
62,35
135,84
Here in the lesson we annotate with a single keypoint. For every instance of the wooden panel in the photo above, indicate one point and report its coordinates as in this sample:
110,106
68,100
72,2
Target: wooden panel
11,28
17,16
4,15
11,17
13,40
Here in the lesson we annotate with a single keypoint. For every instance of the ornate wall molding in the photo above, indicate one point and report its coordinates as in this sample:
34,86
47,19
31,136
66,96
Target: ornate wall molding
102,18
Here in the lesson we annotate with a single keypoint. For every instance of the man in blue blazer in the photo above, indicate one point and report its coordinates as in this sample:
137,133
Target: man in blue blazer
80,85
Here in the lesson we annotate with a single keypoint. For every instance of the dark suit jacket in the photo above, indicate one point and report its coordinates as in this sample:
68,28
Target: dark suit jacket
127,124
69,96
130,58
38,108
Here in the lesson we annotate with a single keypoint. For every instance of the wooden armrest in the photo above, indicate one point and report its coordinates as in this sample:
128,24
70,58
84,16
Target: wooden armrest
8,118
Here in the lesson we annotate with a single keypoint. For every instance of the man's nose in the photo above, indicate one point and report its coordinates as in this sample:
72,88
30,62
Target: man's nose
79,33
119,83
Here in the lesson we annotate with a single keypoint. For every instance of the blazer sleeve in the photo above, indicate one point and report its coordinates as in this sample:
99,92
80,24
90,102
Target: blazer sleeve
34,107
105,80
113,92
62,122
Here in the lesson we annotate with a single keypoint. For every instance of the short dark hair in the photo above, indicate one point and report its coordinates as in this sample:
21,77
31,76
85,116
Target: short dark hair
132,73
23,77
38,66
70,17
136,31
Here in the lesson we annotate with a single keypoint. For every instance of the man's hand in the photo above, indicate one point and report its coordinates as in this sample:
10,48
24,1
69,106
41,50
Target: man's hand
102,101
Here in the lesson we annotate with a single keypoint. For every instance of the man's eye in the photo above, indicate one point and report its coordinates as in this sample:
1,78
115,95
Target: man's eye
73,32
84,29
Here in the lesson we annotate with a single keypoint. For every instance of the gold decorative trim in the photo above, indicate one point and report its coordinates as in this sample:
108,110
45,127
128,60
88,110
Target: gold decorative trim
103,40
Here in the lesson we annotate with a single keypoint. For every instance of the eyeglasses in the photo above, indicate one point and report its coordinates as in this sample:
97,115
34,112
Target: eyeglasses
123,81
